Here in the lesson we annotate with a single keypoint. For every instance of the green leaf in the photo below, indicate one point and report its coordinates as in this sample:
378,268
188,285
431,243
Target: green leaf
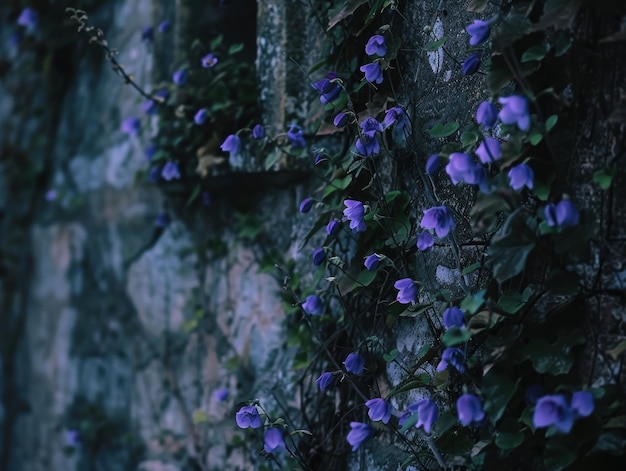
511,245
270,160
558,457
472,303
409,423
469,138
616,351
509,440
415,310
391,356
235,48
455,336
551,122
511,301
604,177
443,130
548,358
535,138
498,390
445,422
471,268
409,384
343,10
535,53
199,416
434,45
337,184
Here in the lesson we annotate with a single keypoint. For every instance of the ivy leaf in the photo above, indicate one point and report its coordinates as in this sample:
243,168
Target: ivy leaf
235,48
391,356
511,245
548,358
511,301
498,391
443,130
535,53
509,440
551,121
472,303
455,336
604,177
434,45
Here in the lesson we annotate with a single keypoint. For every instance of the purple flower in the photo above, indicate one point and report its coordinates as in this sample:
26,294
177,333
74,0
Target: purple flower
479,32
318,256
72,438
164,26
376,46
273,440
372,261
470,409
425,240
427,413
515,110
452,356
397,116
582,403
358,434
313,305
221,394
209,61
354,363
149,107
563,214
319,157
170,171
486,114
325,381
28,19
296,136
180,77
370,126
367,146
231,144
147,34
333,227
432,164
162,220
155,174
341,119
489,150
461,168
379,410
471,64
201,116
131,126
438,218
258,132
521,176
306,204
553,410
355,213
248,416
329,91
150,152
51,195
407,290
453,317
373,72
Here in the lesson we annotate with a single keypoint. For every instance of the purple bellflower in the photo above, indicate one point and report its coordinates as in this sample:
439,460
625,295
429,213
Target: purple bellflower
170,171
221,394
165,26
313,305
273,441
131,126
209,60
358,434
489,150
325,381
201,116
407,290
231,144
258,132
461,168
471,64
515,111
318,256
248,416
296,136
180,77
453,317
425,241
354,363
438,218
487,114
521,176
341,119
432,164
470,410
72,438
367,146
147,34
373,72
427,413
376,46
582,403
306,204
333,227
397,116
478,31
329,91
563,214
452,356
162,220
372,262
28,19
379,409
355,212
370,126
553,410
